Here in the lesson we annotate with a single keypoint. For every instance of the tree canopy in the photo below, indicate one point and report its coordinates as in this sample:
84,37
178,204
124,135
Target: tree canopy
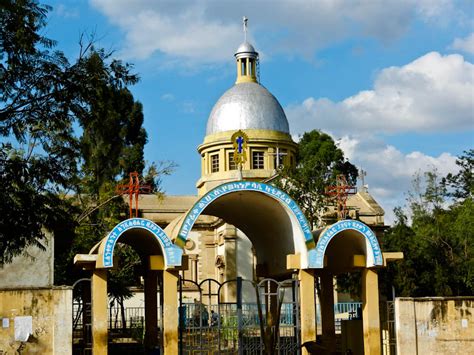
438,244
38,159
70,131
318,162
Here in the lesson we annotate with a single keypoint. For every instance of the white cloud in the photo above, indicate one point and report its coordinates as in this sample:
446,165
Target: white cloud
389,171
66,12
167,97
208,30
432,93
178,29
188,107
464,44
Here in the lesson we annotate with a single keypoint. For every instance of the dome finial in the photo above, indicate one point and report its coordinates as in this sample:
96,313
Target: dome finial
244,22
247,59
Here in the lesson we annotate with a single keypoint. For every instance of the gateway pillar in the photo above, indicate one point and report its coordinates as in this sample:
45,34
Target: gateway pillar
170,312
370,312
99,311
308,308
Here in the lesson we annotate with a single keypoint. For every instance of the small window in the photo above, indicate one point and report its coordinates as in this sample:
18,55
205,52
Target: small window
279,158
214,163
232,164
257,160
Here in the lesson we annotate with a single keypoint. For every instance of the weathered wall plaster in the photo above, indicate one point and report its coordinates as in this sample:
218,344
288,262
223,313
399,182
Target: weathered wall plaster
33,268
435,325
51,312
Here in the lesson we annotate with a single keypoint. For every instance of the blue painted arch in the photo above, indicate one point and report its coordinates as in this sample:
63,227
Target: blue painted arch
171,253
284,199
374,253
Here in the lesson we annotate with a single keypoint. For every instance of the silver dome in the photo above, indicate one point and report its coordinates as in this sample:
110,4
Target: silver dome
246,47
246,50
247,106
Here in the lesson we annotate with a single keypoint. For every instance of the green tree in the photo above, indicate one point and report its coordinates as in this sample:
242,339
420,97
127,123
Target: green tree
438,246
38,150
111,146
318,162
461,185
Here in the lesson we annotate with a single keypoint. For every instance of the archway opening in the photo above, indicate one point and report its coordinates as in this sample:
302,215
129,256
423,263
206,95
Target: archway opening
148,254
267,216
342,250
266,224
348,251
256,226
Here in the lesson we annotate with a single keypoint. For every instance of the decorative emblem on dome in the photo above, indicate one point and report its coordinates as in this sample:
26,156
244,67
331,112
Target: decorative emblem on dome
239,142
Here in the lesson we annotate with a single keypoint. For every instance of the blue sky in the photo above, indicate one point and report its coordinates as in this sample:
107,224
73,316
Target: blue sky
391,81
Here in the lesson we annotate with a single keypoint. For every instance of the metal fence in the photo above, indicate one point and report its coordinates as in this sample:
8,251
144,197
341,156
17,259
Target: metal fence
210,325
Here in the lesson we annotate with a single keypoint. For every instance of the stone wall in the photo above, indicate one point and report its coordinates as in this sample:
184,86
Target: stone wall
36,321
33,268
435,325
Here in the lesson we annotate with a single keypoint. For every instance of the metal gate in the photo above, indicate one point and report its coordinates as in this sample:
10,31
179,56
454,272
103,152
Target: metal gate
81,318
389,341
239,316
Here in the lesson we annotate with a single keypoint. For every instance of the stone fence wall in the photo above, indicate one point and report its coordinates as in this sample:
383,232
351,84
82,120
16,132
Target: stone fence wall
36,321
435,325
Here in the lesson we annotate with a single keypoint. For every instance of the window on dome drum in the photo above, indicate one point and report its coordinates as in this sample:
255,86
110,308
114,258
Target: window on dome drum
232,164
214,163
279,158
258,160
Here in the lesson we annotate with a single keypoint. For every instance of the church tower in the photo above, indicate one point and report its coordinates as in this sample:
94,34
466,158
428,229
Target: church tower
247,118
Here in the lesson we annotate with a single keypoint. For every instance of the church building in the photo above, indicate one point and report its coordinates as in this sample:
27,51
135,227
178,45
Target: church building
217,249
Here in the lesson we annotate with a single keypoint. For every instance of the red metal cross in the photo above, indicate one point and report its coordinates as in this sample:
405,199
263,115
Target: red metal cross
133,188
340,193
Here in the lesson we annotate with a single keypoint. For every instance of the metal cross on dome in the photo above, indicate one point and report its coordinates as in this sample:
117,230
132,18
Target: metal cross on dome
133,189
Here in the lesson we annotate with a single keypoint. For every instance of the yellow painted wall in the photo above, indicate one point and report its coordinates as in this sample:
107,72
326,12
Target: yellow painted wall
435,325
51,312
258,140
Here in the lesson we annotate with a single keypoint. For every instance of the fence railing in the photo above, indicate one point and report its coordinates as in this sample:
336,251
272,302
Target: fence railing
352,309
135,316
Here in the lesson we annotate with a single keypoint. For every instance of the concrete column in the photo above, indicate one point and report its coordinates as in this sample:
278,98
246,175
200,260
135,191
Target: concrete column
370,312
151,310
99,311
170,312
230,244
239,69
327,311
308,307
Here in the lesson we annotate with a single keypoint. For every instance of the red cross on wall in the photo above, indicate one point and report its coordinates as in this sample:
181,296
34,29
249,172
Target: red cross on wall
340,192
133,188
